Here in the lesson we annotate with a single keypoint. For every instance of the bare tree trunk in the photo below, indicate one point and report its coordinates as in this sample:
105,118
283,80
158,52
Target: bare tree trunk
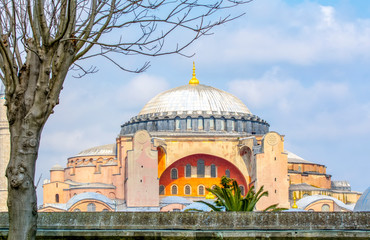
22,202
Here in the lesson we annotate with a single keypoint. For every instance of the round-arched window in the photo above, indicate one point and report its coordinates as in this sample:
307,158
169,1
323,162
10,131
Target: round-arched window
187,190
325,208
91,207
201,190
161,190
227,173
174,173
174,190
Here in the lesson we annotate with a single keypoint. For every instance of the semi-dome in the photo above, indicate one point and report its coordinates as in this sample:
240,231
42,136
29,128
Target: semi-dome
198,98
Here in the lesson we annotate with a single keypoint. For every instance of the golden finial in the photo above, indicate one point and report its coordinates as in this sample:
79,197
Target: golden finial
294,199
194,80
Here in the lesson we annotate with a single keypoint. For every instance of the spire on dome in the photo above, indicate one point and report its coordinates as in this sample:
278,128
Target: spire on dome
194,80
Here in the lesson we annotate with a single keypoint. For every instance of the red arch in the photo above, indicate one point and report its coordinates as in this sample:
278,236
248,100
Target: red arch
221,164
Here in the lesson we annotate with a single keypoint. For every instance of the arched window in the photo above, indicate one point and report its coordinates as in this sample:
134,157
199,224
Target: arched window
188,170
56,198
200,123
201,190
188,123
77,210
299,169
212,123
174,190
213,170
91,207
105,210
177,123
200,168
174,173
187,190
242,191
213,187
325,208
161,190
227,173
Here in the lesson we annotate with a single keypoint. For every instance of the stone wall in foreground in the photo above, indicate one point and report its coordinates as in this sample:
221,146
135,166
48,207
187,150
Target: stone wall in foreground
214,225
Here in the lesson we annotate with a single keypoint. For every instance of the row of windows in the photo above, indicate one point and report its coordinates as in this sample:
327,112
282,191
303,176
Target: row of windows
187,190
212,124
200,170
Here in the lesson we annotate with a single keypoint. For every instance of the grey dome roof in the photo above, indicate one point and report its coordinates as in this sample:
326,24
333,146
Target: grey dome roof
363,203
293,158
90,196
195,98
57,167
109,149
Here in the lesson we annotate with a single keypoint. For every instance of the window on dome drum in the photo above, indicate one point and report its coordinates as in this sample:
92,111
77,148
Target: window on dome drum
222,124
91,207
213,170
299,169
188,170
174,173
211,123
242,191
161,190
177,123
187,190
174,190
56,198
232,124
200,168
325,208
201,190
188,123
200,123
227,173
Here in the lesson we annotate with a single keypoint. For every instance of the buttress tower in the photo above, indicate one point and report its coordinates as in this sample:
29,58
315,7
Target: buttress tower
4,151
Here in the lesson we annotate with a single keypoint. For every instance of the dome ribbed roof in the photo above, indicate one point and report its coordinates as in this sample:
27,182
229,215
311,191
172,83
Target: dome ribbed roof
109,149
195,98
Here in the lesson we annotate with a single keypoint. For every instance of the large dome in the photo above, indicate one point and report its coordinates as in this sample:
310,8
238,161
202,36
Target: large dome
198,98
196,109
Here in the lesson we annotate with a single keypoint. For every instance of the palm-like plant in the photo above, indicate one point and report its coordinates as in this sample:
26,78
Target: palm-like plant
229,197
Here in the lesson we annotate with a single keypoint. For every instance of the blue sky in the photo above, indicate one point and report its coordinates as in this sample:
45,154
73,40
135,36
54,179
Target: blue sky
301,65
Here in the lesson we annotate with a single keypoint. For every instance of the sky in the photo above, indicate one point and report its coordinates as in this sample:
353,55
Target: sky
303,66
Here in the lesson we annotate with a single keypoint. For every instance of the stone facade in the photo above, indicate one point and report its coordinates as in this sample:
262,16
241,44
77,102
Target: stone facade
4,153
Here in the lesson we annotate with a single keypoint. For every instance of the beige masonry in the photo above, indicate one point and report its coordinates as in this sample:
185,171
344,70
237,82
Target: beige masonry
4,154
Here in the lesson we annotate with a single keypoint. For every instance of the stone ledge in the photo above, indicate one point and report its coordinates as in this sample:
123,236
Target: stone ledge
201,221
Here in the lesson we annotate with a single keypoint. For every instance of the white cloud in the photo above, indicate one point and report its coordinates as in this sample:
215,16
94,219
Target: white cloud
328,108
140,90
302,34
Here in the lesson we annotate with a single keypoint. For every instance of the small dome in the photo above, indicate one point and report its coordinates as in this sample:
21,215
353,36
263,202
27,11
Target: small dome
109,149
363,203
293,158
57,167
195,98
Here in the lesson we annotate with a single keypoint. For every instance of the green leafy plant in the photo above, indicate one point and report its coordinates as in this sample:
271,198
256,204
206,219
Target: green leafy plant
229,197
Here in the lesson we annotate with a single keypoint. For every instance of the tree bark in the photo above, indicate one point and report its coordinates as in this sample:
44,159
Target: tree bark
22,201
